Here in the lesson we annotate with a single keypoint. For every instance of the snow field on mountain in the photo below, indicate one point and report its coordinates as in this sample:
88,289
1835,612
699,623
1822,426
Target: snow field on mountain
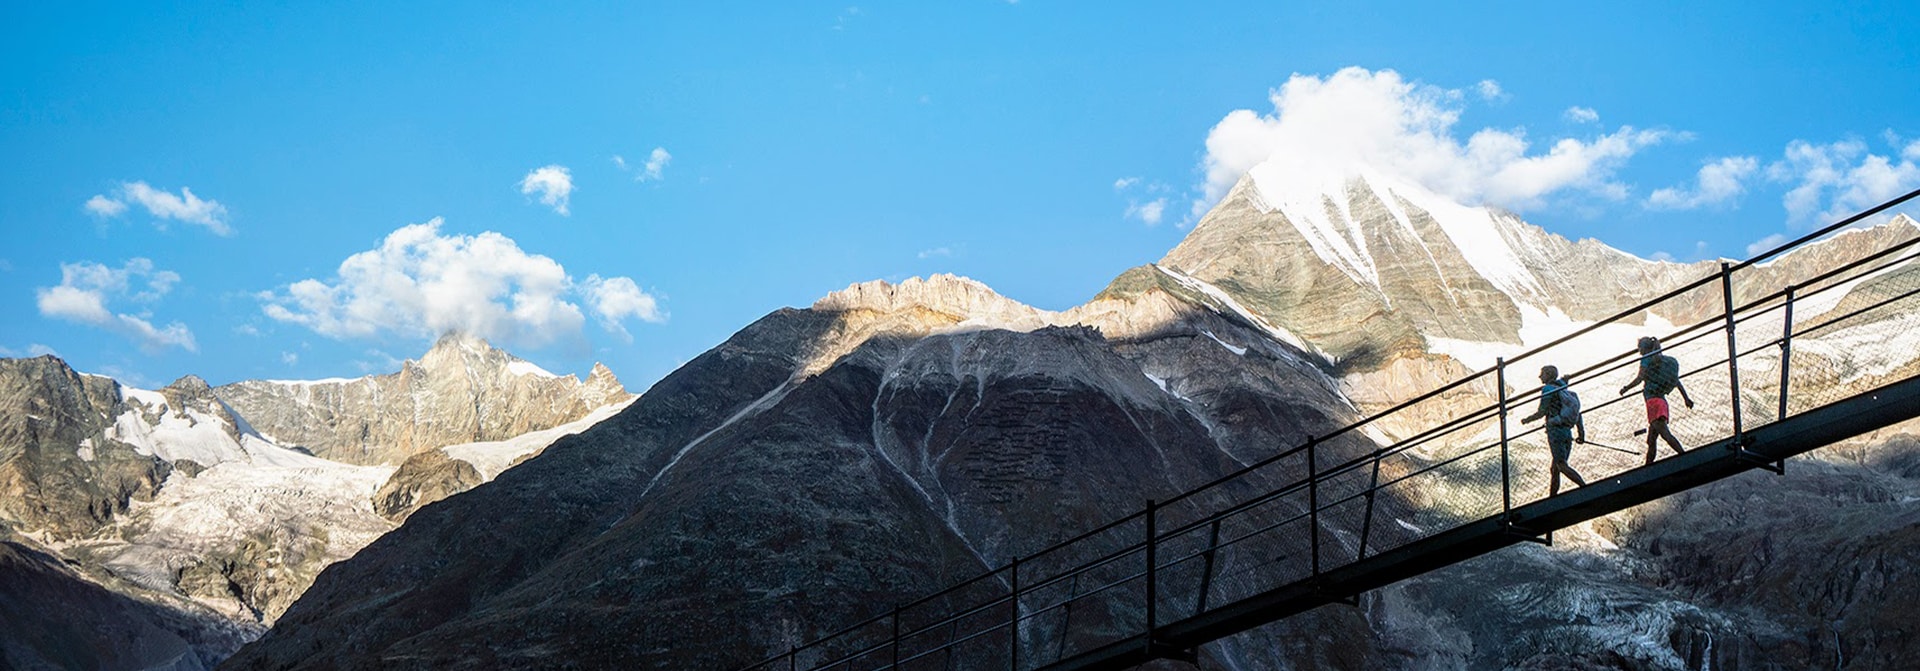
1322,212
1539,327
494,457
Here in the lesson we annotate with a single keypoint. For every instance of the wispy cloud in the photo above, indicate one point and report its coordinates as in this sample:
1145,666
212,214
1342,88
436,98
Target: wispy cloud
553,184
421,283
1719,182
1578,114
1489,90
163,206
1150,211
656,166
1834,180
936,252
653,169
846,17
86,288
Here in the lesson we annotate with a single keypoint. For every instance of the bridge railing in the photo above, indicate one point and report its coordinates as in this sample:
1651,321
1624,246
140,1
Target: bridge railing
1758,341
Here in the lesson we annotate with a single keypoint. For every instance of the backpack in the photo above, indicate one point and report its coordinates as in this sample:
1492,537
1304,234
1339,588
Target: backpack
1569,412
1663,372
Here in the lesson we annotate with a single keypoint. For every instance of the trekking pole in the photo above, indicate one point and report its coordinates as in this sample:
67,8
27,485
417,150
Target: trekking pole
1610,447
1639,432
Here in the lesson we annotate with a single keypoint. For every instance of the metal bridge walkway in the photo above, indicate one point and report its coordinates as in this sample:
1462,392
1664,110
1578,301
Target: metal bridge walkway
1782,358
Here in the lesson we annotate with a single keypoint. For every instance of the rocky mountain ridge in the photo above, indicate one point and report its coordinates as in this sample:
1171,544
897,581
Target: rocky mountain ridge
174,499
462,390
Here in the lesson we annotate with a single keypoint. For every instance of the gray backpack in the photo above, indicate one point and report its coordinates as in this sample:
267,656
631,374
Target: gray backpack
1569,414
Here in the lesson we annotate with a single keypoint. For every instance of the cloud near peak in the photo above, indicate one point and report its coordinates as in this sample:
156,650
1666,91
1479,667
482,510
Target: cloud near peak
421,283
1364,120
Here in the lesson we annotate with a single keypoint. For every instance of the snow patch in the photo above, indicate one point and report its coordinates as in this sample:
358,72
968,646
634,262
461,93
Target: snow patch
85,450
519,367
494,457
1211,291
1322,212
151,399
1539,327
1242,351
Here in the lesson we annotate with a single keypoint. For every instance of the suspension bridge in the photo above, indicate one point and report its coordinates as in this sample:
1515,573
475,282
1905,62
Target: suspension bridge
1783,359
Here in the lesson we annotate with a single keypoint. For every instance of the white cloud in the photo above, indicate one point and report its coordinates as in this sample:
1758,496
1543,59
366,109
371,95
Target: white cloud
289,358
1149,212
1125,183
86,288
1578,114
618,298
38,349
554,183
620,162
8,352
1718,183
656,165
1358,119
419,283
1834,181
937,251
163,206
1489,90
102,206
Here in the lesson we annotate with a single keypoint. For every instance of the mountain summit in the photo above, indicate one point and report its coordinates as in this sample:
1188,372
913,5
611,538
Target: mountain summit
462,390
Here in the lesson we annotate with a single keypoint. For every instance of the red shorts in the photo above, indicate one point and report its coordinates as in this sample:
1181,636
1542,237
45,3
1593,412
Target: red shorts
1656,409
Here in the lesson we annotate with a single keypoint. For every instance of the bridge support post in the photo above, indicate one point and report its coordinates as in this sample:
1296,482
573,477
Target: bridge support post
1206,570
1786,365
1733,353
1313,503
1153,591
1013,617
1506,475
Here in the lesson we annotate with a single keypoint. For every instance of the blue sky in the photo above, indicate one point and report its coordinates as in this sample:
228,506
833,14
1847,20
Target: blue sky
772,152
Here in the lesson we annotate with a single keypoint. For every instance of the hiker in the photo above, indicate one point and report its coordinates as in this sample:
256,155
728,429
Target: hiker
1659,375
1561,408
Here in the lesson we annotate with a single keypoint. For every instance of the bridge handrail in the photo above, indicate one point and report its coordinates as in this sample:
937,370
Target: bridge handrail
1749,310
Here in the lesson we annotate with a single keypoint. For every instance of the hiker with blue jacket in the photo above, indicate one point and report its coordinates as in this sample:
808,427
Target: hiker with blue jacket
1561,408
1659,375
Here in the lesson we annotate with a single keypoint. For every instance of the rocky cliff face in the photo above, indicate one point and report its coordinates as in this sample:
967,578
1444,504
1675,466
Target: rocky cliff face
59,470
177,508
463,390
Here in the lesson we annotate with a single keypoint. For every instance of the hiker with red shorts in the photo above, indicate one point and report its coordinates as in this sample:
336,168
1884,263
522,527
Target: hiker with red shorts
1659,375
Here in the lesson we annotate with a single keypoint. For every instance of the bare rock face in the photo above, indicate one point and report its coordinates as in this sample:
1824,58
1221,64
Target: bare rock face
463,390
178,510
59,471
424,478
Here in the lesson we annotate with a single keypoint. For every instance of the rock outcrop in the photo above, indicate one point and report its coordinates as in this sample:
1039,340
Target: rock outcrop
60,472
424,478
463,390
